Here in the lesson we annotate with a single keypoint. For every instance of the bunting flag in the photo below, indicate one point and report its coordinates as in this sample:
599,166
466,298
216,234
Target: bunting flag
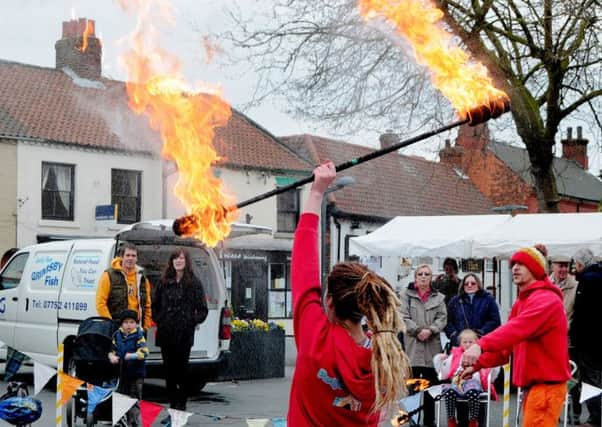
41,376
68,386
121,404
435,390
410,403
14,360
279,422
149,412
178,418
95,396
257,422
588,391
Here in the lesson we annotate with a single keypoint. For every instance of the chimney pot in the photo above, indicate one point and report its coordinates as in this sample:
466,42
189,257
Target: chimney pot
86,64
575,149
388,139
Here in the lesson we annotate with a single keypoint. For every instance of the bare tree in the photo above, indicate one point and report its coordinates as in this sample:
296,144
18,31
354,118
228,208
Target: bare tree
331,66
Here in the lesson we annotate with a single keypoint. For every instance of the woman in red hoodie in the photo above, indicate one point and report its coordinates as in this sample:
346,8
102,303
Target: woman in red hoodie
342,376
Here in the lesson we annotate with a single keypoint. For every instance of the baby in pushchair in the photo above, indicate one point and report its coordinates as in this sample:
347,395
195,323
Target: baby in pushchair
91,364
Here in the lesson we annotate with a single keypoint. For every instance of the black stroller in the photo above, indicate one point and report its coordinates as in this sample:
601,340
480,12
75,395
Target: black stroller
90,363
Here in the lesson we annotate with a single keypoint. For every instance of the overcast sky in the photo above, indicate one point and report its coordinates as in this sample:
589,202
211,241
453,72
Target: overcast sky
29,29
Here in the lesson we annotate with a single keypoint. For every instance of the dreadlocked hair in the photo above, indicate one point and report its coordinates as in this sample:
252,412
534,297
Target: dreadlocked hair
356,292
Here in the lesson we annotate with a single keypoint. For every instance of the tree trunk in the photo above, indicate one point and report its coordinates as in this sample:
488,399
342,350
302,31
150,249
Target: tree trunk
539,141
545,188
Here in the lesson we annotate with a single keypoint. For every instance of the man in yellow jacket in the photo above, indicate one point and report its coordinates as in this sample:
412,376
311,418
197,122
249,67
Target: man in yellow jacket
124,287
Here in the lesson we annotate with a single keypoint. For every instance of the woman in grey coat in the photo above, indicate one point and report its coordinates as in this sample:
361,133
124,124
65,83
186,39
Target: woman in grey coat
424,313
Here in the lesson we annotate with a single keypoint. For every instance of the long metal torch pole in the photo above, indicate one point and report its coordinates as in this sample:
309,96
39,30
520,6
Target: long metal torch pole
354,162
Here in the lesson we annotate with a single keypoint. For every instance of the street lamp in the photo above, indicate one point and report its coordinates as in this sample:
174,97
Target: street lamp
338,184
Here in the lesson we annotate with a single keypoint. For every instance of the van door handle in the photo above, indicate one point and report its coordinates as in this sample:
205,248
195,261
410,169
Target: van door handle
26,304
15,298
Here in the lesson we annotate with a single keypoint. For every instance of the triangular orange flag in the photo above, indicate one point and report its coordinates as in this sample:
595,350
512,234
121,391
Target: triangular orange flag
149,412
68,386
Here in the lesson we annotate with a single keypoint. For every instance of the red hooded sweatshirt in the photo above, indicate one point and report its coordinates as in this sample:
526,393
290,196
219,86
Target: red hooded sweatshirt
535,334
333,383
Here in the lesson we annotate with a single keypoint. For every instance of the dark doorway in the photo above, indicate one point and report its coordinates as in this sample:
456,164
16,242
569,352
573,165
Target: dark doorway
249,289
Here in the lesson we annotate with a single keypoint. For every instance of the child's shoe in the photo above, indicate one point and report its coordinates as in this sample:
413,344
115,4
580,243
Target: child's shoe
451,422
473,423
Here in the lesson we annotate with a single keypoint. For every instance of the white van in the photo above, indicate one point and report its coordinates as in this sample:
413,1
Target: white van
46,290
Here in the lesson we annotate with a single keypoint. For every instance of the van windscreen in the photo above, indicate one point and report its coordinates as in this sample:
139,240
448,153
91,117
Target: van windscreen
154,258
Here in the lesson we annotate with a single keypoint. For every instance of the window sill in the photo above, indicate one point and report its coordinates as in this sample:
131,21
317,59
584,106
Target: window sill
58,223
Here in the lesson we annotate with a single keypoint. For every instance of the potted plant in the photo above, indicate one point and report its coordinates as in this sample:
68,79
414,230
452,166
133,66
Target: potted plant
256,350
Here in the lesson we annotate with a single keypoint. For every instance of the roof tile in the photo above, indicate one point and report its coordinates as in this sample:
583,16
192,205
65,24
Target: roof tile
46,104
395,184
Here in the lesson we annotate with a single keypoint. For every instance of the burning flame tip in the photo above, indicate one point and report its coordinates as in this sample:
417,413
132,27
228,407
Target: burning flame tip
464,82
186,119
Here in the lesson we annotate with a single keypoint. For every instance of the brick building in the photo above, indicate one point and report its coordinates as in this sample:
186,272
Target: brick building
502,171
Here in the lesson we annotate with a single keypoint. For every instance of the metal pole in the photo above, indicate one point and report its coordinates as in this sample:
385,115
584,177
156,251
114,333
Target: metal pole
354,162
324,227
183,224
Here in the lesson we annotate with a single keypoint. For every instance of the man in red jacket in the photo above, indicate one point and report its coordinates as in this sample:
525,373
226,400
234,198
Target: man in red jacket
536,336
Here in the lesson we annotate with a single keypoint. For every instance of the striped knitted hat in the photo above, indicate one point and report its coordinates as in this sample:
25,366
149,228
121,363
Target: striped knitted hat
533,260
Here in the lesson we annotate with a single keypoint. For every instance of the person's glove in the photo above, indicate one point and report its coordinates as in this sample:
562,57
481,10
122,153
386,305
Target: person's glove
131,356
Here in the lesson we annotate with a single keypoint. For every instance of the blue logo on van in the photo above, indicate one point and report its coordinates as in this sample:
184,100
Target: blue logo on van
2,305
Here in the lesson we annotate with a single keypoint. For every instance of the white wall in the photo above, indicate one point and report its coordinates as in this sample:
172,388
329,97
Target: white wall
92,188
243,185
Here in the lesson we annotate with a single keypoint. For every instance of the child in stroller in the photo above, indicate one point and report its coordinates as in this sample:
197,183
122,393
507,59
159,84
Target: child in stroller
90,363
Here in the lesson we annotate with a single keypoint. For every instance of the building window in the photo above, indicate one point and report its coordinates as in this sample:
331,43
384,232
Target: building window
280,299
57,191
288,211
125,193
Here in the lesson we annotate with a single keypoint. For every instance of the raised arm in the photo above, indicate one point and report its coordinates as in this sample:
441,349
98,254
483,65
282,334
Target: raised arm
323,177
305,264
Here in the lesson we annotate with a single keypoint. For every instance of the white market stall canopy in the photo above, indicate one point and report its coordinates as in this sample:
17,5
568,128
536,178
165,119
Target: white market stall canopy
415,236
563,234
481,236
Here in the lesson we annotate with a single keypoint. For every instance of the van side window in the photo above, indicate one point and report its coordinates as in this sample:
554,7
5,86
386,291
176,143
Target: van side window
11,276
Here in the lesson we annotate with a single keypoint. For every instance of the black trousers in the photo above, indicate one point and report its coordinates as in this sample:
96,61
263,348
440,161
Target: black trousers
591,373
132,387
175,363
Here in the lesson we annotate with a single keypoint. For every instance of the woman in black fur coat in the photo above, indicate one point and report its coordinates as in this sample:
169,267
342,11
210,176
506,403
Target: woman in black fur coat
178,305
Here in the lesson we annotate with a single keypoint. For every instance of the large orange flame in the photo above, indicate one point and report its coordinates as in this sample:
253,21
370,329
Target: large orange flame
465,83
186,121
87,31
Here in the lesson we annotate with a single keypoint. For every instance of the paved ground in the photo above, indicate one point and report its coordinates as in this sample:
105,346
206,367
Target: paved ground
228,404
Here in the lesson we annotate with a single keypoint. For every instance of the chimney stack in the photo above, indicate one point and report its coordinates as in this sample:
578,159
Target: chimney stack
575,149
473,137
79,52
388,139
451,155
